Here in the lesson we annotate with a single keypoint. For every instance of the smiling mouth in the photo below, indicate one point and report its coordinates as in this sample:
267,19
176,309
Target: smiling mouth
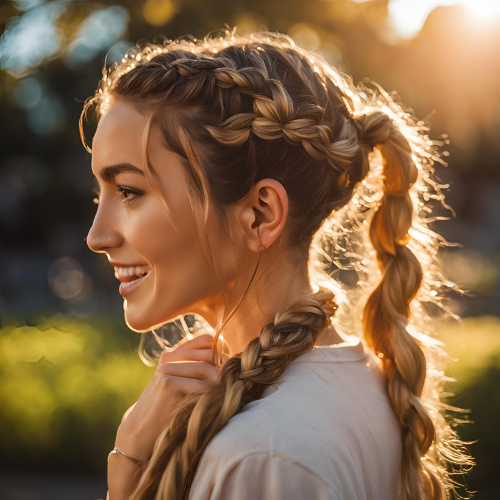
131,276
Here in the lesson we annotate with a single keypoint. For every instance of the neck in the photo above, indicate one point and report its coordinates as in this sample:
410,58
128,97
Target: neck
280,285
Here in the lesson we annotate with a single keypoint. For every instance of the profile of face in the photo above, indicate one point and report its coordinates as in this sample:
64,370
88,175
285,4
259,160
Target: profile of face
157,254
156,257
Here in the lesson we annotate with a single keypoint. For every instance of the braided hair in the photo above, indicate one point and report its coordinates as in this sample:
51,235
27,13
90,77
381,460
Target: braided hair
238,110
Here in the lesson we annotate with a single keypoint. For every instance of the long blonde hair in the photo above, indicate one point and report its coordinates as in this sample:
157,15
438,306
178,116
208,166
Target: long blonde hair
358,168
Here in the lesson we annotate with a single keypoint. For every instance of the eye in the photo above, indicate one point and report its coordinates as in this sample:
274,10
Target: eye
128,195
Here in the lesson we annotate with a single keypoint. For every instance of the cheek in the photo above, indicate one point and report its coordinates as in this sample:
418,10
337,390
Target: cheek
162,241
180,275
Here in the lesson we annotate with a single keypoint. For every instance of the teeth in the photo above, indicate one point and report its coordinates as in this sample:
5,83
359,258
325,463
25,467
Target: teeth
127,284
132,271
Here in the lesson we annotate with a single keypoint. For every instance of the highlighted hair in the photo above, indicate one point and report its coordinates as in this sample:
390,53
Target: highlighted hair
358,170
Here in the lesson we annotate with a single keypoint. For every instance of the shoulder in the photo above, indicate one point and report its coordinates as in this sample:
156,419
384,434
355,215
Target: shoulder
288,447
279,477
311,414
330,420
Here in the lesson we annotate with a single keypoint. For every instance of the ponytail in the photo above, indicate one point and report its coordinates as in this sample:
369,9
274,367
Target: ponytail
387,311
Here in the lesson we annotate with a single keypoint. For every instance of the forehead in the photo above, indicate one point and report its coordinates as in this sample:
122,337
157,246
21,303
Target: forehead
119,137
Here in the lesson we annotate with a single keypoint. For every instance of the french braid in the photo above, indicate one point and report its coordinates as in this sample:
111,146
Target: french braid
274,115
265,108
243,378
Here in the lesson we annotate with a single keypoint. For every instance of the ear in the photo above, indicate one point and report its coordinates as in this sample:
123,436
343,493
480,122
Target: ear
263,214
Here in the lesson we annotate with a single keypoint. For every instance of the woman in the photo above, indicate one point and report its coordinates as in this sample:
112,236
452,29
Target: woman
233,172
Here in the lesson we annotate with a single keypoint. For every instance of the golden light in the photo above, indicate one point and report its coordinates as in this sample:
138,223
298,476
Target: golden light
483,9
305,36
158,12
408,16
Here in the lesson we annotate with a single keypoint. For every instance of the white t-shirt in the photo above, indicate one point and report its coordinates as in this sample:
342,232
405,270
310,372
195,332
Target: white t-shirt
325,431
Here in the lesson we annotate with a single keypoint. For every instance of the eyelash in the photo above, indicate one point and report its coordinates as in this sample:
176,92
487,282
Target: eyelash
127,199
122,190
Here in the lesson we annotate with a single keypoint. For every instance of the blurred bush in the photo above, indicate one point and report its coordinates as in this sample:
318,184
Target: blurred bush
476,345
64,386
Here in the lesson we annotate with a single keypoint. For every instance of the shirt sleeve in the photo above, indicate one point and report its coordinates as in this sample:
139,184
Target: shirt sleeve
267,475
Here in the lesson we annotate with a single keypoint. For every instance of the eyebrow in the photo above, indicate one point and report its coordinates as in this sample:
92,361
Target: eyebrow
108,173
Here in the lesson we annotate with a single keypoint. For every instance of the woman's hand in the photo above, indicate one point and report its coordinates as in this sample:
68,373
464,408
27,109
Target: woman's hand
183,370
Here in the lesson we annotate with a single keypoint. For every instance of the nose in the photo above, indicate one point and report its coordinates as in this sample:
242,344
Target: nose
103,235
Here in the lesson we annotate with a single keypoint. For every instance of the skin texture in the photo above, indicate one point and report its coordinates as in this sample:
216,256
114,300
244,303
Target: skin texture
133,229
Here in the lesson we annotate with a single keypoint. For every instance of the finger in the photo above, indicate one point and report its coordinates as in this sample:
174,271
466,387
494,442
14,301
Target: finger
203,341
182,385
200,341
200,370
186,355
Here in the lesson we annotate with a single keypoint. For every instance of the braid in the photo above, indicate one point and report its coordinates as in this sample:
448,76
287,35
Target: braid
387,310
242,379
274,115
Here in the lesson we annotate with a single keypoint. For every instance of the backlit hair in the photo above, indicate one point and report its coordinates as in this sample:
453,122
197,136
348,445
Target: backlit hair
358,171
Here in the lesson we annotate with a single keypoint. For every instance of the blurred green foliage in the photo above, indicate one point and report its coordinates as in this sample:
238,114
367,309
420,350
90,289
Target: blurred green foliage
476,346
64,386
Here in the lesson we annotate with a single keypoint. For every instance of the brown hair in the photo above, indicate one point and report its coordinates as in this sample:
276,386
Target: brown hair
244,109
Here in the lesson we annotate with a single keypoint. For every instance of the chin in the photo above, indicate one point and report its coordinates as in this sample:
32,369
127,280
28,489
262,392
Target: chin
140,319
137,318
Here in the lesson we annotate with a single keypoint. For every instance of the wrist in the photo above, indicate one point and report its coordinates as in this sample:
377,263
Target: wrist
117,460
123,476
136,448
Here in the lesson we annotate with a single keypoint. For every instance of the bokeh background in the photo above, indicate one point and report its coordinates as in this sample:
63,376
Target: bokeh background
68,365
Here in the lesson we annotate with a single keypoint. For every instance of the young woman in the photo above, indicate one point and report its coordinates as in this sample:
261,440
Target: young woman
237,177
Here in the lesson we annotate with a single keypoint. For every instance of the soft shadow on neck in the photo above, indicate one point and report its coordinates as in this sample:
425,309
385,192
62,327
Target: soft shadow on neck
285,280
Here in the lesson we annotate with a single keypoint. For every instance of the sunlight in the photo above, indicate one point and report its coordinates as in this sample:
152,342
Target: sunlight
483,9
408,16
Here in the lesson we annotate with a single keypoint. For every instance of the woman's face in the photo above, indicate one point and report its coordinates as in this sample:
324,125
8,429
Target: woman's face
157,257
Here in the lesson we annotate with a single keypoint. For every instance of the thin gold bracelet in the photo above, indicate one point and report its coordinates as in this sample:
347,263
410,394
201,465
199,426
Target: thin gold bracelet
139,462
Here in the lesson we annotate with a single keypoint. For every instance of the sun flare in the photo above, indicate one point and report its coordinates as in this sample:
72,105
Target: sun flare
408,16
483,9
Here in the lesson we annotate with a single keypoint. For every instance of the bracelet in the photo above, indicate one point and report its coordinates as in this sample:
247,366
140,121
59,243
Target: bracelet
139,462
